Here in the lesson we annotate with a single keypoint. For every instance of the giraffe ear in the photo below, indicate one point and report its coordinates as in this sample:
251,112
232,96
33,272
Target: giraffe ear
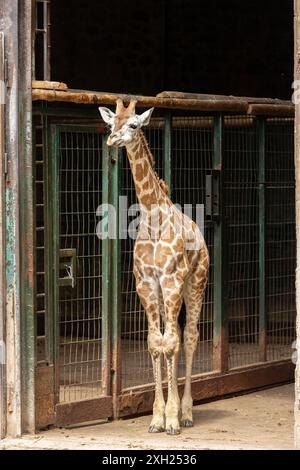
144,118
107,115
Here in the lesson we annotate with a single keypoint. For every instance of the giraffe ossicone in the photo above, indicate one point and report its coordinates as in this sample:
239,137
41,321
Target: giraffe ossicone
170,266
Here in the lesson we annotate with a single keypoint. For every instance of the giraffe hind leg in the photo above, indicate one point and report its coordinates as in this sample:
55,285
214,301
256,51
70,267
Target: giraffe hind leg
193,298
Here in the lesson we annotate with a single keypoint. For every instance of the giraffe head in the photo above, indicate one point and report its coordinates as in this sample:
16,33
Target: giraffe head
125,124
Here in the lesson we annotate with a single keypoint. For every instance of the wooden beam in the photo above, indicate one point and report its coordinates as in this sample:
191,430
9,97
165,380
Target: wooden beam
204,103
97,98
202,97
45,85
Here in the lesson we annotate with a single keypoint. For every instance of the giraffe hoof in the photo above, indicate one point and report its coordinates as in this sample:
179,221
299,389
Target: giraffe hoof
156,429
187,423
173,431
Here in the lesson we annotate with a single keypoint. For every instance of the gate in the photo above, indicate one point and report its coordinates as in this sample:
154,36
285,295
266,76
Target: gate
79,185
240,168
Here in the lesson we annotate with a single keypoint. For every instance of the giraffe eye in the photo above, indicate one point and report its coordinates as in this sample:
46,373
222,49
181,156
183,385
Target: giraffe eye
133,126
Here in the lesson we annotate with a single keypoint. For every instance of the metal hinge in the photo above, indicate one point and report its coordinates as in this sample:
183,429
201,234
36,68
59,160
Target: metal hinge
6,71
5,61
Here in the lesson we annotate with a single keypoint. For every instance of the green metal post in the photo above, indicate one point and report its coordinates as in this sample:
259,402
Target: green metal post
220,342
106,364
28,320
168,151
53,250
262,228
115,275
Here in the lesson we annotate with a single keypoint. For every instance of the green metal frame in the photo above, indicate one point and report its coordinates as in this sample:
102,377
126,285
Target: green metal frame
106,346
220,333
113,158
261,124
54,251
168,151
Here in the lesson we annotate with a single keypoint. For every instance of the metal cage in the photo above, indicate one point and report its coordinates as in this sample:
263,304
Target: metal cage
92,331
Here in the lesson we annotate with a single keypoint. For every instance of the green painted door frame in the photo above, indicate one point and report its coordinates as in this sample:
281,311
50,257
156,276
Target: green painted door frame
53,253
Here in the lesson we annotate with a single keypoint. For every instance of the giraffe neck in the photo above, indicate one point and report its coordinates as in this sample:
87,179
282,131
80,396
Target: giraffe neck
150,189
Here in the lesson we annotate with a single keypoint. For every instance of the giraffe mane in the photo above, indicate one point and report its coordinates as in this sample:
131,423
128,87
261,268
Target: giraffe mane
161,182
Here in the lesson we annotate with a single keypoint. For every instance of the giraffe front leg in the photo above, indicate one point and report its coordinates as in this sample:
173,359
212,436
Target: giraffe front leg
155,349
148,293
173,402
171,346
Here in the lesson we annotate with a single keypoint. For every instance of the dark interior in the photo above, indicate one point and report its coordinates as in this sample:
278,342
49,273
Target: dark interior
144,47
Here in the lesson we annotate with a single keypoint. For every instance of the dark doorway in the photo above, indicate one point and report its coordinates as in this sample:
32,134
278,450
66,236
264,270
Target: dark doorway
233,47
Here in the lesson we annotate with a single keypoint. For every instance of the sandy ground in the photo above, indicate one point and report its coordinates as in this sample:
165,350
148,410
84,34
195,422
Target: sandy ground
261,420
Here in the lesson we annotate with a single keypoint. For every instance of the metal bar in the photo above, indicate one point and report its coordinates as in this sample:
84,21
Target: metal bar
33,32
28,321
261,124
2,244
106,346
220,342
54,247
168,151
115,274
47,45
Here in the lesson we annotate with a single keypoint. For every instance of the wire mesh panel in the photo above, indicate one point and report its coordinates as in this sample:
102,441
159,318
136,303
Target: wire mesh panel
80,292
136,360
241,212
280,238
192,149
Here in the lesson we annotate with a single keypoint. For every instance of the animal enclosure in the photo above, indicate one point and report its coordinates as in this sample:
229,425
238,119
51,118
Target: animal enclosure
91,328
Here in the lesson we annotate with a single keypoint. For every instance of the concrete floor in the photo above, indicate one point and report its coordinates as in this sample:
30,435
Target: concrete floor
261,420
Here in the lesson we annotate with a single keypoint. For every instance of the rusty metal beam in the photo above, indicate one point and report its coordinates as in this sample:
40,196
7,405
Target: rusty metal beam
139,400
83,411
45,401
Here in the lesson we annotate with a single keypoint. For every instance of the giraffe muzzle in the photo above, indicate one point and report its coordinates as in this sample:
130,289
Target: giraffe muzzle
113,141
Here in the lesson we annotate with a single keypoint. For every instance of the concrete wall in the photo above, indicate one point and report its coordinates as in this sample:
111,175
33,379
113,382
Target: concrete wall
232,47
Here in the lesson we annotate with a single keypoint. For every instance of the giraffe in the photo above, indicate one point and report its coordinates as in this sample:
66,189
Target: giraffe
170,266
